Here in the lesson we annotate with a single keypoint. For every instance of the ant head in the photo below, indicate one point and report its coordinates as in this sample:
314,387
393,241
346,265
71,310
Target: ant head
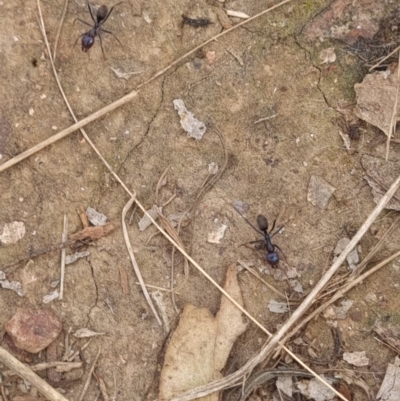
87,42
272,258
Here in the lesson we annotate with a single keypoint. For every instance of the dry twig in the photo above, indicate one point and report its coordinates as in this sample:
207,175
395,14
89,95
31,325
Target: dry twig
59,29
63,255
89,376
27,374
133,260
393,120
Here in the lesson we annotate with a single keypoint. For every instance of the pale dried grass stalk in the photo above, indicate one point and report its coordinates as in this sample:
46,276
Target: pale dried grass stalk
133,260
63,255
64,12
393,120
86,385
26,373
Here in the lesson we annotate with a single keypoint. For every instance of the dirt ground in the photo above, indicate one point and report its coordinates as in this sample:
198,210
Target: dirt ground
268,67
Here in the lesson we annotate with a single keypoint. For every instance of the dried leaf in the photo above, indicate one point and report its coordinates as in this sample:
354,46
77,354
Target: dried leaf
316,390
83,333
145,221
380,175
195,128
12,232
201,344
278,307
216,236
11,285
95,217
390,388
237,14
319,192
356,358
51,297
375,99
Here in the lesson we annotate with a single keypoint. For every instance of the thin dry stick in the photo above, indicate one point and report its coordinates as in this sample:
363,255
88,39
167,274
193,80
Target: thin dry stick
160,183
59,29
125,99
255,274
27,374
65,366
89,376
297,314
84,346
385,58
63,255
157,288
133,260
3,393
393,120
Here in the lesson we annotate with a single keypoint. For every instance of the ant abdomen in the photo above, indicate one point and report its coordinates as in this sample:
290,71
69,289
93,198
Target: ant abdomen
262,223
102,13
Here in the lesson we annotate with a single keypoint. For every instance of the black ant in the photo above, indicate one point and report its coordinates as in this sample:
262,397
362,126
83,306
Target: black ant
262,222
195,22
101,17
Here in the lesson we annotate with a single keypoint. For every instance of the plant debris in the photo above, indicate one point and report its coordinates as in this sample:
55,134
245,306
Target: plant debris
84,333
145,222
319,192
390,388
200,346
380,175
96,218
376,95
316,390
216,236
356,358
278,307
352,258
11,285
12,232
195,128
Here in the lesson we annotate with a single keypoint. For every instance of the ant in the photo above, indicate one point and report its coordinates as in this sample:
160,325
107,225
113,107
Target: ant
262,222
101,17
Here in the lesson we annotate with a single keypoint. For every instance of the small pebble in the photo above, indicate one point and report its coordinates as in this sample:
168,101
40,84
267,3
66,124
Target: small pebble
33,330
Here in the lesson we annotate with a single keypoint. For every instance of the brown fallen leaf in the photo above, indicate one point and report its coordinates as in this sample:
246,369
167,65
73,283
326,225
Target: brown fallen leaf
201,344
376,96
92,233
380,175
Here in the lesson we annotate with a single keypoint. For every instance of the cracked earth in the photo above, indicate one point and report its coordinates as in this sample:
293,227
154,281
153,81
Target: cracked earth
269,167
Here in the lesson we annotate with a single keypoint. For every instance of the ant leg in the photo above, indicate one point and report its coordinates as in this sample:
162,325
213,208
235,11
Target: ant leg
276,246
255,242
277,231
80,20
101,44
91,13
103,30
83,34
